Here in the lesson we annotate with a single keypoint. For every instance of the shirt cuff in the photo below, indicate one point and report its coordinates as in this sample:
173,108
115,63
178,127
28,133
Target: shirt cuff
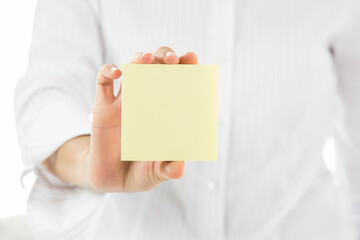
60,210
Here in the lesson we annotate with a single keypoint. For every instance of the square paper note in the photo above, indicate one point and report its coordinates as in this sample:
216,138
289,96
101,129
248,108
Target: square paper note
169,112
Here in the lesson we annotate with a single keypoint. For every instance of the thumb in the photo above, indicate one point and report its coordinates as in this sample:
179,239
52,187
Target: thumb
170,170
105,85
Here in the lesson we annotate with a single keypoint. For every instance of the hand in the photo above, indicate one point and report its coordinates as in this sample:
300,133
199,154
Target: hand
106,170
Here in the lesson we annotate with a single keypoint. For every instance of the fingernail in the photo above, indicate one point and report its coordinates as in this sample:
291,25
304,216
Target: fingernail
165,177
113,69
168,54
162,171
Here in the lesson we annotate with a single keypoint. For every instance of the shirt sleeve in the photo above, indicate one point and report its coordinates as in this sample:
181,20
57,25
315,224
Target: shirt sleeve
54,98
346,51
53,101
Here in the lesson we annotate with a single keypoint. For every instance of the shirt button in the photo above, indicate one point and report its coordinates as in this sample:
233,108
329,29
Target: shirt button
211,185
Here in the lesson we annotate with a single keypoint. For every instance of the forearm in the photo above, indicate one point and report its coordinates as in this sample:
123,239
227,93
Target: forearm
71,161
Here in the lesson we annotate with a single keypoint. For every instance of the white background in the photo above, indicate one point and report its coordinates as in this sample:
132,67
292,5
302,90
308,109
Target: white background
16,17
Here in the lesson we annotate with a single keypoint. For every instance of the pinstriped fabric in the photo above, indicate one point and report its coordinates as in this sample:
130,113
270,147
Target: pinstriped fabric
277,91
79,209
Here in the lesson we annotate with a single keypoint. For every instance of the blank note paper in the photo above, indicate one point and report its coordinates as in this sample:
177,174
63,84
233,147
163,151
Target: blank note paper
169,112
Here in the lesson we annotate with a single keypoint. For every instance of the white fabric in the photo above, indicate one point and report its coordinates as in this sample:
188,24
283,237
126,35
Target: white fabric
288,70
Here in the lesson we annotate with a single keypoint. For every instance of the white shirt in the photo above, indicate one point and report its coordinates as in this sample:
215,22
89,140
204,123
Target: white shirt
289,77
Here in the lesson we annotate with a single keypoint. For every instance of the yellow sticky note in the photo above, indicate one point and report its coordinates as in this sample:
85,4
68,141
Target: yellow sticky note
169,112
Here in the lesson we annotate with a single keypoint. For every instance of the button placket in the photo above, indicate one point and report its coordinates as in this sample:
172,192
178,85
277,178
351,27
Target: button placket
215,185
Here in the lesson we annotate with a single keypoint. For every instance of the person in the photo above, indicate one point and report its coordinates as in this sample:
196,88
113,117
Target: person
288,79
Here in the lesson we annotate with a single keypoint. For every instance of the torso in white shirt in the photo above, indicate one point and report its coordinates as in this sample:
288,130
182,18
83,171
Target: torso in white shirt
277,93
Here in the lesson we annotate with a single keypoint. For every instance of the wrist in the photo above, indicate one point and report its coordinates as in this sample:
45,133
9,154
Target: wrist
84,169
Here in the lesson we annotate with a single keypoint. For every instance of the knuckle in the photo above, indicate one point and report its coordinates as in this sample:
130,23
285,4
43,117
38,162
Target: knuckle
102,79
102,69
137,56
159,53
157,179
165,49
106,67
